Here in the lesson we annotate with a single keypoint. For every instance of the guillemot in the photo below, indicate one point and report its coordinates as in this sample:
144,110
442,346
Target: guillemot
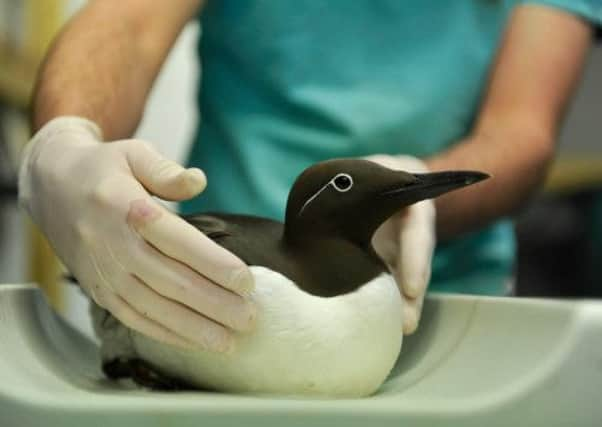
329,314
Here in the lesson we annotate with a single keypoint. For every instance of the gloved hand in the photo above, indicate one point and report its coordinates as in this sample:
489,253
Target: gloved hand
406,243
153,271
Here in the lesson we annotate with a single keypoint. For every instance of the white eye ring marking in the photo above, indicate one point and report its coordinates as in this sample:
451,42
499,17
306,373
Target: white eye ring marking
331,182
336,186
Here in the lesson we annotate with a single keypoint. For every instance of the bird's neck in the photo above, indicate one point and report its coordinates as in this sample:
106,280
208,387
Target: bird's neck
357,228
330,265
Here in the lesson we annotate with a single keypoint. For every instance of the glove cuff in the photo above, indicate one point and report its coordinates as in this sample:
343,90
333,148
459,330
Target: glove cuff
54,127
63,124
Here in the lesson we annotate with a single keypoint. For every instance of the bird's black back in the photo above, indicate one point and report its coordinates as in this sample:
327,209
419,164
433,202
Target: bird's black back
319,266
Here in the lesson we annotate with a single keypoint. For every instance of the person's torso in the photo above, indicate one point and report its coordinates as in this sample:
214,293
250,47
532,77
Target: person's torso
286,84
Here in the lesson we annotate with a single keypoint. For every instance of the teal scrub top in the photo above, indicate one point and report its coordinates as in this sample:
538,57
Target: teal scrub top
286,84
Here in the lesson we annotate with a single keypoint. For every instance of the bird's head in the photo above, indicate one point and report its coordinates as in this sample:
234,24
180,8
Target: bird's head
351,198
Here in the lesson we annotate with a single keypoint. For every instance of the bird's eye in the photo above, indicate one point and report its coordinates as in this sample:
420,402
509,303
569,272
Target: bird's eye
342,182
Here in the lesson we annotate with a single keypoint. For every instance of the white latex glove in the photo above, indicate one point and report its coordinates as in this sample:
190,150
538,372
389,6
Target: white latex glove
406,242
153,271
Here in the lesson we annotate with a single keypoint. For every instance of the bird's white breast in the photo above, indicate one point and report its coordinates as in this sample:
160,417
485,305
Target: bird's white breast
302,344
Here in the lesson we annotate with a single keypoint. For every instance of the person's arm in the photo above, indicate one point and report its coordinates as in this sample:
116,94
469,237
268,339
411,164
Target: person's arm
105,60
538,64
91,192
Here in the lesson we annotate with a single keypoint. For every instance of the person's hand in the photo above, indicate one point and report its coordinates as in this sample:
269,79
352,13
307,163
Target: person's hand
406,243
152,270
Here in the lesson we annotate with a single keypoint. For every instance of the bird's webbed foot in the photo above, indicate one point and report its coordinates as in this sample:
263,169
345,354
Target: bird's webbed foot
143,374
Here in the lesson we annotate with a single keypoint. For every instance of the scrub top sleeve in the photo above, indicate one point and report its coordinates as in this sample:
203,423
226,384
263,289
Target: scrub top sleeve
590,10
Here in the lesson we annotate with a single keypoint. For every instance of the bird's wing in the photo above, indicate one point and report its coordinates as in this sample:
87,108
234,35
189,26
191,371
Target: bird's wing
254,240
212,226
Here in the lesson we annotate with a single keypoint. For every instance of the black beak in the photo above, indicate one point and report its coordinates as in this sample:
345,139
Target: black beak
430,185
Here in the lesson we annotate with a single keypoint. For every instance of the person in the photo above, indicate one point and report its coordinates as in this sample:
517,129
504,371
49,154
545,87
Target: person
416,86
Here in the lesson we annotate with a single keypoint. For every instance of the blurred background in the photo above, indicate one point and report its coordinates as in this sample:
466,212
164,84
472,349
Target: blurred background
559,233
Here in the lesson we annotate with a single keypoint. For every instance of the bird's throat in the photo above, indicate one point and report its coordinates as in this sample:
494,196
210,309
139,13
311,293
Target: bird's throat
330,266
